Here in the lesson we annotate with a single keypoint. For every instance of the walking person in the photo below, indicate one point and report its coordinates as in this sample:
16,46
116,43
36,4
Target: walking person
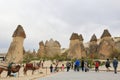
75,67
107,65
51,68
72,65
82,65
68,66
56,68
77,64
86,66
115,65
97,66
9,68
62,68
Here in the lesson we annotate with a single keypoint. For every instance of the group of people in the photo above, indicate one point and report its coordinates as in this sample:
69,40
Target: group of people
85,67
107,65
70,65
77,64
56,68
115,64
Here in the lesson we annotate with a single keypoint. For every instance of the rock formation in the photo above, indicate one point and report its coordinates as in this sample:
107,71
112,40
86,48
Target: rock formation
50,49
93,47
76,47
96,48
41,50
106,45
15,52
117,43
106,34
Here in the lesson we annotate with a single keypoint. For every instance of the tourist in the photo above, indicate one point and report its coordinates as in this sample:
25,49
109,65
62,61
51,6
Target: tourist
62,68
51,68
86,66
97,63
115,65
39,63
42,64
56,68
68,66
77,65
9,68
72,65
107,65
82,65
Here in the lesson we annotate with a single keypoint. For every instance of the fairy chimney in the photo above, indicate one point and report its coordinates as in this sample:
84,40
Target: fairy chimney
41,50
15,51
52,48
106,34
76,47
93,45
81,38
106,44
93,38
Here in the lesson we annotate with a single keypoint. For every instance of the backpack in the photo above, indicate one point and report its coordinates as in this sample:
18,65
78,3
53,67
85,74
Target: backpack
107,64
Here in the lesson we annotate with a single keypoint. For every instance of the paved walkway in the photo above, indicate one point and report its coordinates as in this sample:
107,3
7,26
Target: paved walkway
91,75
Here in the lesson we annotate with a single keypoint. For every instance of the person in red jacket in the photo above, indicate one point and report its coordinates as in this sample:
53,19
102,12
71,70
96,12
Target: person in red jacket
97,64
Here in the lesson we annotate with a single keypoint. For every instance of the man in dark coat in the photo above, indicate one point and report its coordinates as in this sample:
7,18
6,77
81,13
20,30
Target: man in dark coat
115,65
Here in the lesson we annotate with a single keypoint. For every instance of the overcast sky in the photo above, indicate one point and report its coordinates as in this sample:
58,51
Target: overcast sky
57,19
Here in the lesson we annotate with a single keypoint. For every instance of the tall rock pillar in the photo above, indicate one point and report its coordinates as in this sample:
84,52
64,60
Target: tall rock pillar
76,47
15,51
106,45
41,50
93,46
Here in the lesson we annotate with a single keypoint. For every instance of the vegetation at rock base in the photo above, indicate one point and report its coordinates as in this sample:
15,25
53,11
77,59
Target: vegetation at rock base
115,53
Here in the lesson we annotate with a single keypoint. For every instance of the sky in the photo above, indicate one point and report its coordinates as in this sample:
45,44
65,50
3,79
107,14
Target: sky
57,19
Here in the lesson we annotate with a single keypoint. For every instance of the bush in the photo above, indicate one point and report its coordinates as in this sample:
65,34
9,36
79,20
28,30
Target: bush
116,54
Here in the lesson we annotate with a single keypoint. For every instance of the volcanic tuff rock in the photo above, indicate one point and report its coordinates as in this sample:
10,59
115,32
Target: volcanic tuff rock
102,47
50,49
105,34
41,50
93,38
80,37
93,45
106,45
76,47
15,52
117,43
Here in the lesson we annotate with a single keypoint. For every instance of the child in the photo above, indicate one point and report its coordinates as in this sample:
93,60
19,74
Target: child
62,68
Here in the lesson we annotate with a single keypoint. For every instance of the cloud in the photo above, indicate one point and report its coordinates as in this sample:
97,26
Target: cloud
57,19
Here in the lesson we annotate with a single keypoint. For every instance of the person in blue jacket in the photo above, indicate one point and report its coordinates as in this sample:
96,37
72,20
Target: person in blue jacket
115,65
77,65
